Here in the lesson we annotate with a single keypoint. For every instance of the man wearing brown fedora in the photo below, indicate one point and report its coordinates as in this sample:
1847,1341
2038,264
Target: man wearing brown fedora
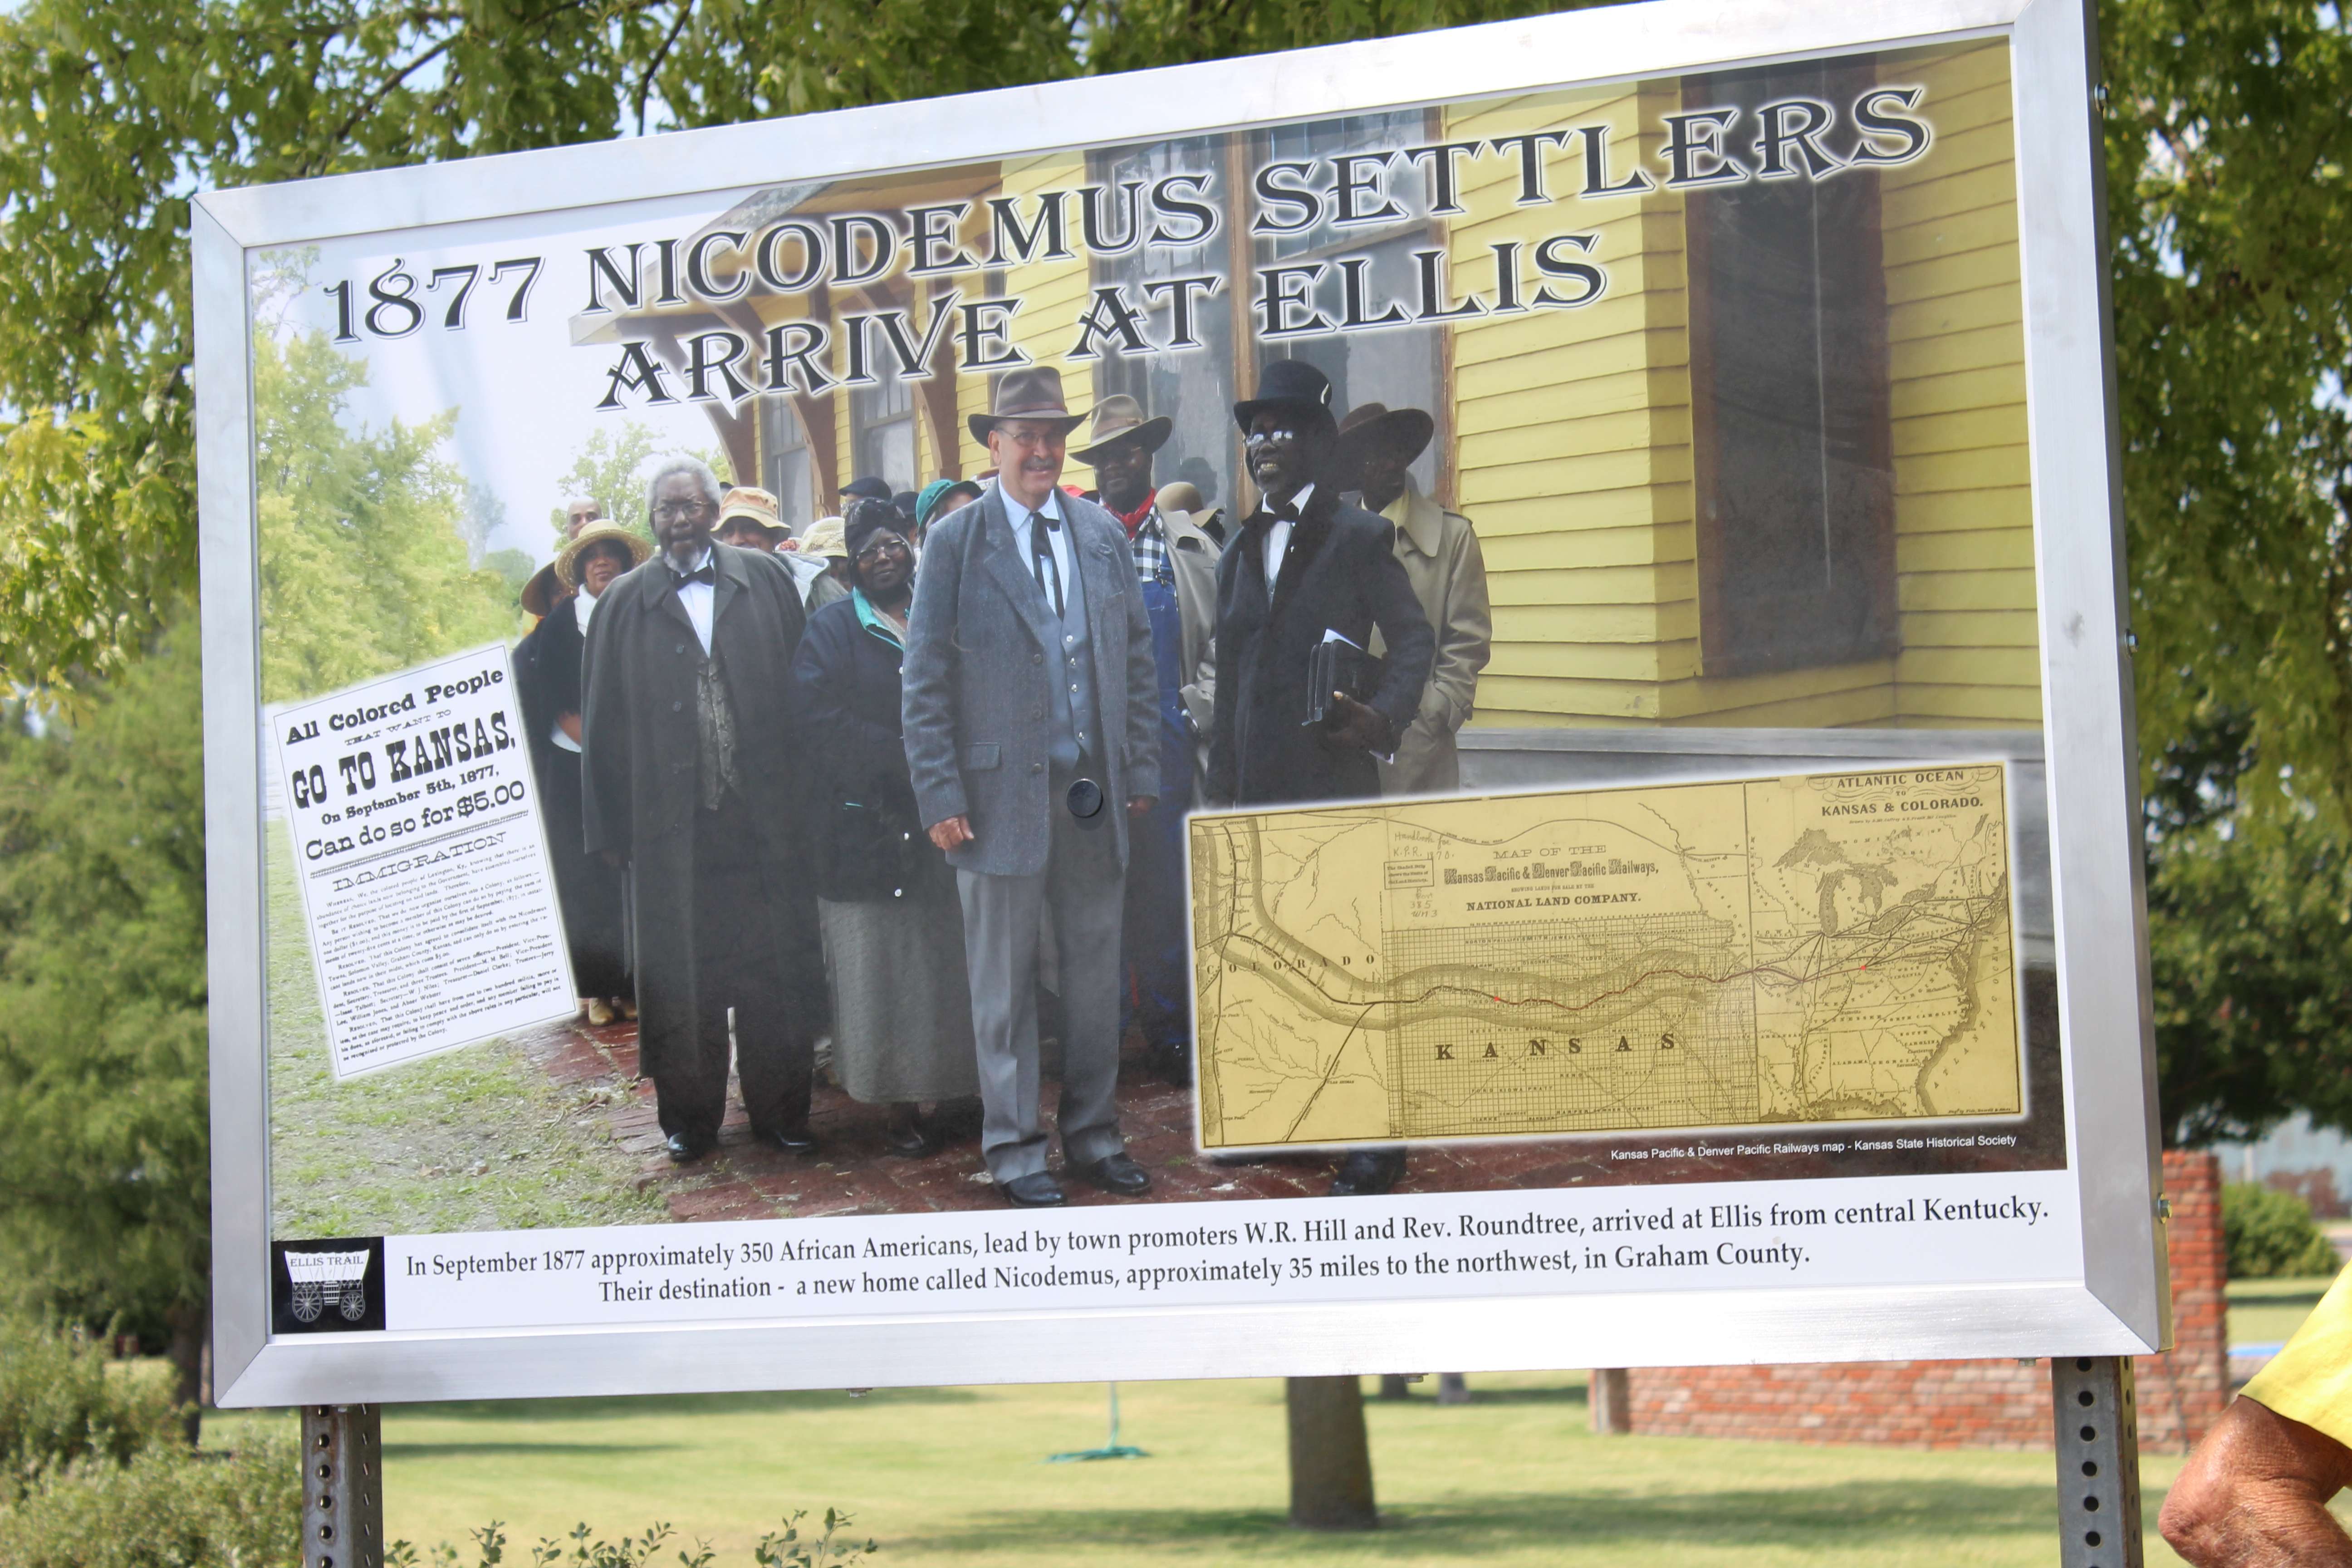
1030,716
1176,566
1439,551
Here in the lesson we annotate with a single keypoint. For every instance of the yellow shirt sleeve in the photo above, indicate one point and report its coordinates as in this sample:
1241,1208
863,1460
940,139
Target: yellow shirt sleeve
2310,1380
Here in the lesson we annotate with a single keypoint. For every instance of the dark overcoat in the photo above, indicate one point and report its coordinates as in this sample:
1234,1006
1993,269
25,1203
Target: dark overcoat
547,684
1340,574
637,740
870,842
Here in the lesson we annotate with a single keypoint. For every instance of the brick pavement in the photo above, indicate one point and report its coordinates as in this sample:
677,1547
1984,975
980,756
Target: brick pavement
852,1174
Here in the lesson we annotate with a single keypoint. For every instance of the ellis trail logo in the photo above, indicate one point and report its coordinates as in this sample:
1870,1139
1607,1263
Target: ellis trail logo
327,1287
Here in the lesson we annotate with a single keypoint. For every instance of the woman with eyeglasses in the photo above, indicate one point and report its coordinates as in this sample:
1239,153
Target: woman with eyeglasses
885,898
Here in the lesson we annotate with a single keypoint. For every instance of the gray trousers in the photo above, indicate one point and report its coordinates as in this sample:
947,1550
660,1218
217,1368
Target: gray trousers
1081,890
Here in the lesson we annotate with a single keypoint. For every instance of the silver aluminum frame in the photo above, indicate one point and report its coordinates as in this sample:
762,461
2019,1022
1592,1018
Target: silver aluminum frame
2121,1306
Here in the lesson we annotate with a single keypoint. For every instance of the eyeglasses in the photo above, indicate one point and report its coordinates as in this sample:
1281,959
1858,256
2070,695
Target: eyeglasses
681,509
881,547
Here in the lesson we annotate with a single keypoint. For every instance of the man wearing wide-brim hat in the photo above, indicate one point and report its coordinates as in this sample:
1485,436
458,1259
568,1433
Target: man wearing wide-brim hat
1031,722
1439,551
750,519
1176,566
1307,567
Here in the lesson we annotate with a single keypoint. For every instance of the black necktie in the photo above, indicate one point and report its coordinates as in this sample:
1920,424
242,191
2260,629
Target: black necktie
706,573
1041,557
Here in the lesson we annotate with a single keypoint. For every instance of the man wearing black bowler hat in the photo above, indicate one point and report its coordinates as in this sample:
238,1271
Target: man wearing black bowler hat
1304,568
1029,706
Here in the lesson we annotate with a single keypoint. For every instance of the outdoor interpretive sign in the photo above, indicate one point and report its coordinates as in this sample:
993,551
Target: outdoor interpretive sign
794,643
415,843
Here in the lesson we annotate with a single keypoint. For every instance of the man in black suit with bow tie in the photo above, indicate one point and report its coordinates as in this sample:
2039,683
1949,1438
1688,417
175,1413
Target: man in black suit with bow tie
692,773
1305,566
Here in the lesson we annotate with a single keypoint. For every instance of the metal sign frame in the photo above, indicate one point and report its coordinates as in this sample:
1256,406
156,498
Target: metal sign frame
2120,1307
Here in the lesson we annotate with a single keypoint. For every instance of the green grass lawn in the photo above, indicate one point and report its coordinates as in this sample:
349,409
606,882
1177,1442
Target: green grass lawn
471,1139
2265,1311
958,1475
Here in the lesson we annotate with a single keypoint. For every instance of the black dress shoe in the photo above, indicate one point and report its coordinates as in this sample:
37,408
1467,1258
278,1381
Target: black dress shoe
795,1142
913,1139
685,1148
1366,1172
1037,1190
1117,1174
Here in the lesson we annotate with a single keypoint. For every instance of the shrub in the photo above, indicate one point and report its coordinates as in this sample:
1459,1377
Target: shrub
62,1400
2271,1234
170,1507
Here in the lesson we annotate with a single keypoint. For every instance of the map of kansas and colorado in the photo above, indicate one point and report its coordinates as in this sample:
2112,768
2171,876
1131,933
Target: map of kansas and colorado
1823,948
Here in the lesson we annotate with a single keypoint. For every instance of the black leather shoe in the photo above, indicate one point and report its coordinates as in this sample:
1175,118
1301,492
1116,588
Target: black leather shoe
684,1149
1037,1190
1117,1174
912,1140
1366,1172
796,1142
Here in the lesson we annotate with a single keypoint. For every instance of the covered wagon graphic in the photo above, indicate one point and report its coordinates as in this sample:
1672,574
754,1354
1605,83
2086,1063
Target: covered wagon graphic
324,1279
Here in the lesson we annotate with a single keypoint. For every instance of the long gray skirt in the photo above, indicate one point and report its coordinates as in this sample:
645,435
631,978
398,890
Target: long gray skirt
901,1004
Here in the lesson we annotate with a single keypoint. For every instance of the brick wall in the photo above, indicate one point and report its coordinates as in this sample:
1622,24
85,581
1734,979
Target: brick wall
1970,1404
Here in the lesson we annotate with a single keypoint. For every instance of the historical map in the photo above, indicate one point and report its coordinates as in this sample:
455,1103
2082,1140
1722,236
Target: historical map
1823,948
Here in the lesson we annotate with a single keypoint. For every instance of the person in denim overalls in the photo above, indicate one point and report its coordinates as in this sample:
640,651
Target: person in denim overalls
1178,565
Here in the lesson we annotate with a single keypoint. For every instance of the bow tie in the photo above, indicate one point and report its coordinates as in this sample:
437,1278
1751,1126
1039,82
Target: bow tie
706,573
1267,516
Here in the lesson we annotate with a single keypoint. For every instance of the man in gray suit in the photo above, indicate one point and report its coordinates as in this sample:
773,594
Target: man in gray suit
1031,711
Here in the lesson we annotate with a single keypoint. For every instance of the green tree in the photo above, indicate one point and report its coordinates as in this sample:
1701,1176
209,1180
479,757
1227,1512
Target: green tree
364,568
105,1181
610,469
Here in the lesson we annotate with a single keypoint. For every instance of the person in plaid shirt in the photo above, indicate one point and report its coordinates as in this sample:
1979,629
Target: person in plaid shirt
1178,565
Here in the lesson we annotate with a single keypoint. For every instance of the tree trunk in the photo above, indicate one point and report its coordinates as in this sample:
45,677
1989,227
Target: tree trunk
1392,1385
1612,1401
1330,1458
191,1355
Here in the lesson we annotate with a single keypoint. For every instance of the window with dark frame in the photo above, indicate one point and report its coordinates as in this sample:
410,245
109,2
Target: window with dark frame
882,432
1791,434
785,462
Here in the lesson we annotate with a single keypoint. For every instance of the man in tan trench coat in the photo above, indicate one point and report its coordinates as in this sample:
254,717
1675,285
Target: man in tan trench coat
1440,553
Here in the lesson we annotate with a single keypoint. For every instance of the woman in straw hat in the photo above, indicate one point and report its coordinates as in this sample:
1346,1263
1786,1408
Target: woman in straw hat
547,679
885,898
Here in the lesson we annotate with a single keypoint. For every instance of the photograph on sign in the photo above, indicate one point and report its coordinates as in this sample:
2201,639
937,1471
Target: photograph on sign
991,735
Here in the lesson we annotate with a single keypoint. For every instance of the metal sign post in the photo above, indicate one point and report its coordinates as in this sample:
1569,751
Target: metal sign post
2098,1461
343,1486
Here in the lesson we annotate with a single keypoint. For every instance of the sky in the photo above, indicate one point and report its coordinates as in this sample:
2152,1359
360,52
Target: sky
526,397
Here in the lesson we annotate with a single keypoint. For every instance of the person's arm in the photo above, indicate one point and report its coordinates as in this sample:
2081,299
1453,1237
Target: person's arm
926,681
605,740
2254,1495
1465,642
1142,739
1404,630
1222,770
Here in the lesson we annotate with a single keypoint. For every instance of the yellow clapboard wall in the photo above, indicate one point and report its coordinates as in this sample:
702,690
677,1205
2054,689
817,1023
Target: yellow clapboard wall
1574,433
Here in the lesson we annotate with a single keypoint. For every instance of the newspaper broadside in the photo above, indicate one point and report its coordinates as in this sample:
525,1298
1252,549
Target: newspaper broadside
427,901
